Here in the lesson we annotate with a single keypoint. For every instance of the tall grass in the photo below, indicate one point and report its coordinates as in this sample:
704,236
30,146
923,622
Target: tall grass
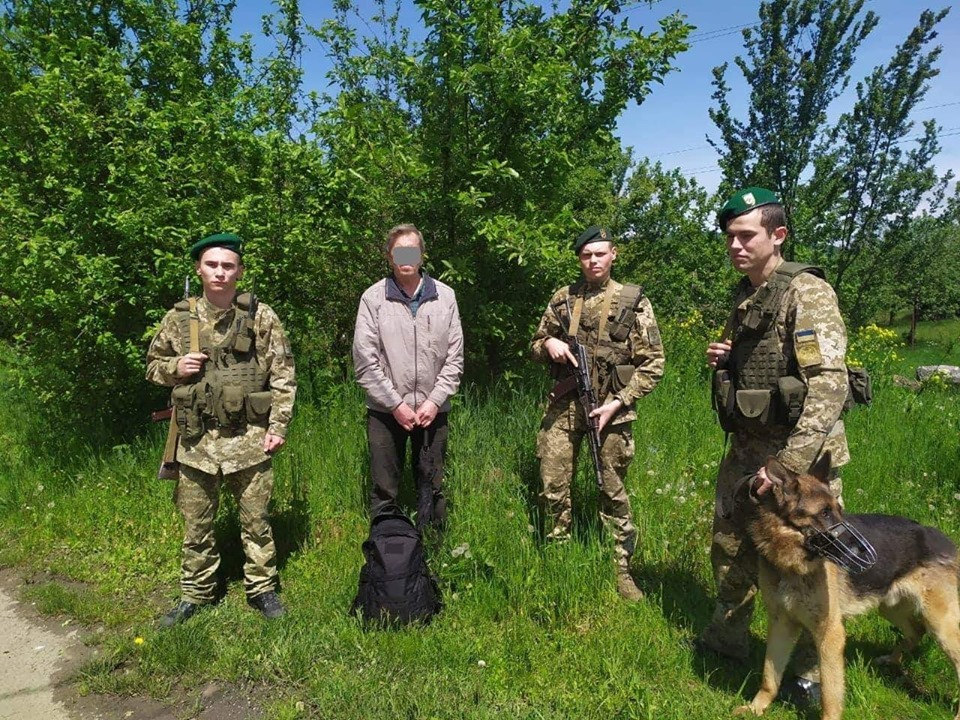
528,630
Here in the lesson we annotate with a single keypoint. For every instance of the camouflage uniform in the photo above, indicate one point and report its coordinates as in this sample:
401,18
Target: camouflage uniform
564,426
235,457
809,303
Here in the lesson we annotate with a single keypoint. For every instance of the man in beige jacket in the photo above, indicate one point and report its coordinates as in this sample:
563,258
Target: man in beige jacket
408,357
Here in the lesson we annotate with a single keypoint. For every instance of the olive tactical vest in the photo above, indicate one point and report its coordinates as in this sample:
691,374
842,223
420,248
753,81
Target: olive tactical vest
231,390
759,385
612,368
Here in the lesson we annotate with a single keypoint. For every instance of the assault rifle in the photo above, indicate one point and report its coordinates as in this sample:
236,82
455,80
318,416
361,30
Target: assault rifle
169,466
587,396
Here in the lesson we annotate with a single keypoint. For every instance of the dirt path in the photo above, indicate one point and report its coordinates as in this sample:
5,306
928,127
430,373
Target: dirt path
39,656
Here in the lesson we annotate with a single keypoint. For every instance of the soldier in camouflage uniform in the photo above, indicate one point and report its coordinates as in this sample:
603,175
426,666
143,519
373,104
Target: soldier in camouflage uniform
616,326
233,397
779,388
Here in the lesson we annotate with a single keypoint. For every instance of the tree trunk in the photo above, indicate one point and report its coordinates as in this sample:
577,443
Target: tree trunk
912,337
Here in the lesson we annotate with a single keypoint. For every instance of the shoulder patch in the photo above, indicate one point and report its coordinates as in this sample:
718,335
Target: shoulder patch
806,348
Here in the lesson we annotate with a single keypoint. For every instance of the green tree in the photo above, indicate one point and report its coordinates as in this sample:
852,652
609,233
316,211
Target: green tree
847,185
511,111
122,139
797,63
925,267
670,246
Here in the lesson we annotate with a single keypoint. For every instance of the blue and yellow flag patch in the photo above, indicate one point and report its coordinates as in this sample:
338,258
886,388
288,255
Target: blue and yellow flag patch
806,348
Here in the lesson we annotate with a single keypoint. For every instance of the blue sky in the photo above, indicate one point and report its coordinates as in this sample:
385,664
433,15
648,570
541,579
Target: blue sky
672,124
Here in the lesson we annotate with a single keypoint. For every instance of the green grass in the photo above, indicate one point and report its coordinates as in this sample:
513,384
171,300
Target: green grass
528,631
938,343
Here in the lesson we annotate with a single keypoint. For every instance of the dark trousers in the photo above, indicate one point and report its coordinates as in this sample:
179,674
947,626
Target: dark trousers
387,442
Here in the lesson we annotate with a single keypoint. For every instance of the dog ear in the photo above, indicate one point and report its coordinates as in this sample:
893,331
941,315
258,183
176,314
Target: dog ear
821,468
784,480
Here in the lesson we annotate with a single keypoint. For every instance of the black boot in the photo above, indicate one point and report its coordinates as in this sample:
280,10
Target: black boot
800,692
181,612
268,604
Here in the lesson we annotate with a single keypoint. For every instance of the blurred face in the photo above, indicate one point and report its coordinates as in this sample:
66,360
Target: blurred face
753,250
219,270
406,257
596,259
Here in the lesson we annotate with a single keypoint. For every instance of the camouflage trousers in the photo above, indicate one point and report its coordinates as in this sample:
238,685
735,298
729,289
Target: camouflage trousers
198,497
735,562
558,450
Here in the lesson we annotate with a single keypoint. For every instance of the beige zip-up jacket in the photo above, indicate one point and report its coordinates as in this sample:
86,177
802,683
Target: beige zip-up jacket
399,356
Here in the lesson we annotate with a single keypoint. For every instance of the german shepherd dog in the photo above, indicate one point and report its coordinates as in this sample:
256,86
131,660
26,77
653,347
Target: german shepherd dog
818,566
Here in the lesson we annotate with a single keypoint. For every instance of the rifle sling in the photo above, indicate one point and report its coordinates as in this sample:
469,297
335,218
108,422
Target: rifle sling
575,317
194,327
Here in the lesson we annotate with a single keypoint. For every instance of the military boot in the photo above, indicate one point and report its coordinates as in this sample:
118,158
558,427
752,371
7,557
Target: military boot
627,586
181,612
268,604
800,692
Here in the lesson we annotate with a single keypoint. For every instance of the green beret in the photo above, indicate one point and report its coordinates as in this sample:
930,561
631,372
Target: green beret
594,233
745,201
227,240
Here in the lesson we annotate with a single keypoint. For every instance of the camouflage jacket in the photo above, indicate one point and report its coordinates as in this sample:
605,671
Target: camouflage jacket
216,449
626,369
809,304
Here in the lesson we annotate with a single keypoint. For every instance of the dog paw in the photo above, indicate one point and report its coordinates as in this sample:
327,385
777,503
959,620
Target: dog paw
746,710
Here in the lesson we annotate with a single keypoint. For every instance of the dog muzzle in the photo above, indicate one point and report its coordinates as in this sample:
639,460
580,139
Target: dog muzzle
844,545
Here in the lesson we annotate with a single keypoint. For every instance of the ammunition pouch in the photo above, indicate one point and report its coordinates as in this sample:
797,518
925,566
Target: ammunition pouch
619,328
792,394
190,403
258,407
230,407
755,406
859,387
723,400
620,377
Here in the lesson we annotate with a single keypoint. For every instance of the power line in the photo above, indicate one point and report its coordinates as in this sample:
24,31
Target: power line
719,32
705,170
679,152
934,107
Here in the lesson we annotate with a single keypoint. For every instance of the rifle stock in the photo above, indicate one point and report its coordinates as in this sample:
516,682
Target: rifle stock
169,466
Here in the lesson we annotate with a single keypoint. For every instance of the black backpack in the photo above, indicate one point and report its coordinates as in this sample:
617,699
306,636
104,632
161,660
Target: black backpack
396,586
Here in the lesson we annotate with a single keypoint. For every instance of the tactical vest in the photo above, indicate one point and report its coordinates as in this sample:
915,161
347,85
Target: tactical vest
612,366
231,389
758,385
